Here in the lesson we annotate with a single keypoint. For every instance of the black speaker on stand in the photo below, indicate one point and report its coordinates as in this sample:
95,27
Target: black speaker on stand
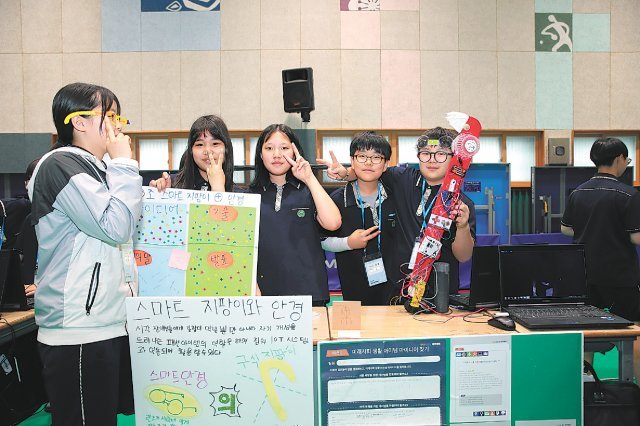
297,91
436,295
441,299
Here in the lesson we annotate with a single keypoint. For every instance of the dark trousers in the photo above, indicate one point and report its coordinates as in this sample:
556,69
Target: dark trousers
88,384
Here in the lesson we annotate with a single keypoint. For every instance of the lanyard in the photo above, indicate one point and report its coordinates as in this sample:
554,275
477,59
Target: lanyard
361,202
425,212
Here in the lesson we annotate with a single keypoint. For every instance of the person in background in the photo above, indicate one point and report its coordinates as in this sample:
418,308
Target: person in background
364,244
290,259
208,159
13,212
604,214
85,214
27,243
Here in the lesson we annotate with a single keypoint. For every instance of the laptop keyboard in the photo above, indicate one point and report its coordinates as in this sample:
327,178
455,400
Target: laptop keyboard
558,312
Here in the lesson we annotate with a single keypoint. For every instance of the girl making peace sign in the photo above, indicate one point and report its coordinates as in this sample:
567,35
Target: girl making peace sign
290,259
207,163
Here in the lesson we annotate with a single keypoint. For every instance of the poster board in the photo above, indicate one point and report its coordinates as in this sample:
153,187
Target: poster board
525,379
197,243
221,361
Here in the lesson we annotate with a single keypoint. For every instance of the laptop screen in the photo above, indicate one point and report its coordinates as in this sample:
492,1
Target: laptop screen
485,274
542,274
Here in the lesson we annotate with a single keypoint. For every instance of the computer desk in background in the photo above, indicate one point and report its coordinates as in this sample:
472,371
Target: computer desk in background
22,388
387,322
19,324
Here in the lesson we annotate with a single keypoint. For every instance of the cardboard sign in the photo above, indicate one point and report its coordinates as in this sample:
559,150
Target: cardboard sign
345,315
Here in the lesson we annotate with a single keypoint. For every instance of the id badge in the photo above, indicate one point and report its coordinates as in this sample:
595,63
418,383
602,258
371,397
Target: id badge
374,268
128,261
414,253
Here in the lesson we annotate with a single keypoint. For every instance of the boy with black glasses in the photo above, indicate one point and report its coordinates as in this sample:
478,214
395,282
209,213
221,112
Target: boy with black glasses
365,240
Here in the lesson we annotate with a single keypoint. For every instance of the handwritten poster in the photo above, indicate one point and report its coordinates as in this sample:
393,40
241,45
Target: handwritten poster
221,361
197,243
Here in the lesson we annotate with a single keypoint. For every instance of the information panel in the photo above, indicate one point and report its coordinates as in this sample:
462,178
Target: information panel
525,379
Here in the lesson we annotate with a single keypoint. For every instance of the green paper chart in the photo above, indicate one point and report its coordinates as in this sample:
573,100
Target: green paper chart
197,243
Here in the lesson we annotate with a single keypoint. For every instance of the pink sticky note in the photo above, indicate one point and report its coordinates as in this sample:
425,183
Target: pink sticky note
179,259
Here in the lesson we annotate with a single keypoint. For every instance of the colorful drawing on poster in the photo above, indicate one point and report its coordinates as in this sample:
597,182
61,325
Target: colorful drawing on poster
172,400
221,240
209,361
162,224
197,243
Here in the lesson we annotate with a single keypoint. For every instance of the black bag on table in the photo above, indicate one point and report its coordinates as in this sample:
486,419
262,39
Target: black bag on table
610,403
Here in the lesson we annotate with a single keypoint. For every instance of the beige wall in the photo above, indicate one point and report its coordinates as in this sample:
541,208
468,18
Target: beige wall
386,69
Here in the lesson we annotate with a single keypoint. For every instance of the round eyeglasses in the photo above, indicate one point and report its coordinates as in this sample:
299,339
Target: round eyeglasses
438,156
375,159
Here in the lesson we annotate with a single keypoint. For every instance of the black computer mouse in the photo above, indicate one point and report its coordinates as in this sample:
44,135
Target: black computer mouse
503,323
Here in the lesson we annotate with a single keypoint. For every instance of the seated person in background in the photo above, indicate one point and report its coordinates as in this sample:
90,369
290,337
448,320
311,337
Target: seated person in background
414,193
604,214
208,159
13,212
27,244
364,243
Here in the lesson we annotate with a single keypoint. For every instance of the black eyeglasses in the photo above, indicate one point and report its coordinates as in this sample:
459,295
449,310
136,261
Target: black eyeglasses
375,159
438,156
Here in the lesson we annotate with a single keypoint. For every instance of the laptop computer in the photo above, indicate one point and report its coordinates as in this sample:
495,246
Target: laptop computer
12,297
484,287
545,287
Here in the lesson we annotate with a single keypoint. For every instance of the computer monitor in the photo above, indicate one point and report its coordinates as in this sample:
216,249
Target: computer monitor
542,273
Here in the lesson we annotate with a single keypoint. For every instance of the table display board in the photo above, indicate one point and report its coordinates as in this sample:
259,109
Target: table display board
489,187
204,361
197,243
488,379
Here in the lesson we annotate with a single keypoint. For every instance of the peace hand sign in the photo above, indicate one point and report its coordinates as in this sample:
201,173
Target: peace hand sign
215,172
335,170
360,237
300,168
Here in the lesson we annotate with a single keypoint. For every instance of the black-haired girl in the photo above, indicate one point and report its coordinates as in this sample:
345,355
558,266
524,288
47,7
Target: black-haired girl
208,159
290,259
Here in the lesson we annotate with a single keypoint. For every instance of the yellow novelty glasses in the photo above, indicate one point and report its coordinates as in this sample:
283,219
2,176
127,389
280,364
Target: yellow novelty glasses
115,119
